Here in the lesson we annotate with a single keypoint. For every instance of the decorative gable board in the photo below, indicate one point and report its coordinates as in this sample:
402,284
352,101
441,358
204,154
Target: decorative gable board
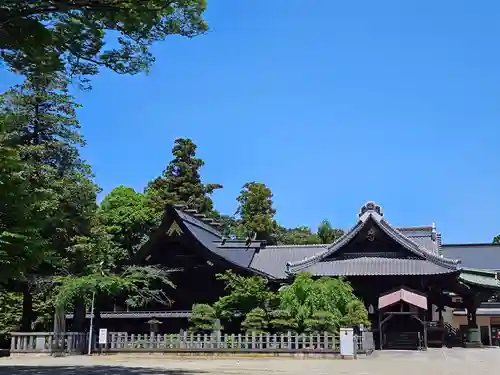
371,241
174,229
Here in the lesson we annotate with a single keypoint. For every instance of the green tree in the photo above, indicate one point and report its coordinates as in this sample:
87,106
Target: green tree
256,212
256,321
20,241
282,321
322,321
324,302
10,312
44,132
109,272
296,236
203,318
244,295
127,216
56,35
180,182
496,239
327,234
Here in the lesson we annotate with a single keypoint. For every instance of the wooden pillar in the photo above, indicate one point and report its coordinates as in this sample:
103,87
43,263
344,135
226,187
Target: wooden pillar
425,336
428,313
380,333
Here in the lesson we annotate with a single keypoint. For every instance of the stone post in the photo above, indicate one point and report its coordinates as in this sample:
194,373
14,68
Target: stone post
473,339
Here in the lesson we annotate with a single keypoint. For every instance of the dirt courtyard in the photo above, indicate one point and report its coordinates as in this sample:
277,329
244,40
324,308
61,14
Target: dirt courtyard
455,361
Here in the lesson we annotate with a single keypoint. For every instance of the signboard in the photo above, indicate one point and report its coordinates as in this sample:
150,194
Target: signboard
346,342
103,336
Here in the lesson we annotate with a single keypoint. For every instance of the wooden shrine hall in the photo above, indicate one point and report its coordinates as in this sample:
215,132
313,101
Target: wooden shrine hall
400,274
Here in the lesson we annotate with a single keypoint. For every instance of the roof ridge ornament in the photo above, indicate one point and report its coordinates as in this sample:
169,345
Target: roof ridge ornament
370,207
433,232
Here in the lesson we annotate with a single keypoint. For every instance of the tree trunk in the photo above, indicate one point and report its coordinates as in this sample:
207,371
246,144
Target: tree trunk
97,312
27,315
78,323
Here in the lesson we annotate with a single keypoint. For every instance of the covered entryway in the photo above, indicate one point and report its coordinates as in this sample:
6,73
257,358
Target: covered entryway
402,322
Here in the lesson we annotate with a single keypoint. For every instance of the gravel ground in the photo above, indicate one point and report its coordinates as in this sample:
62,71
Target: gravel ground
455,361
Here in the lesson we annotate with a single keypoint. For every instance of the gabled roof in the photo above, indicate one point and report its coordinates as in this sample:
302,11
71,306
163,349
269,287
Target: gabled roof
278,262
403,294
201,229
273,259
371,212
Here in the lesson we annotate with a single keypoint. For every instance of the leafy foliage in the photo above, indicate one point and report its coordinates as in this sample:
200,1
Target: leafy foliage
203,318
255,321
328,234
323,302
43,36
180,182
244,294
10,312
256,211
127,216
322,321
282,321
42,130
297,236
138,283
20,240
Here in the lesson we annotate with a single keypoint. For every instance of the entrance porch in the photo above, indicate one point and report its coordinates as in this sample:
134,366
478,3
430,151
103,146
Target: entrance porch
402,320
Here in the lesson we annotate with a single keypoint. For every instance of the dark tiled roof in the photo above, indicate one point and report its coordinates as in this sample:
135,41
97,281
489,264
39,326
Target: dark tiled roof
416,241
483,256
210,238
272,259
423,236
369,266
424,242
239,256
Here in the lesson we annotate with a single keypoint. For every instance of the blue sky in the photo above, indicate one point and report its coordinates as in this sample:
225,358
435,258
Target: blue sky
330,105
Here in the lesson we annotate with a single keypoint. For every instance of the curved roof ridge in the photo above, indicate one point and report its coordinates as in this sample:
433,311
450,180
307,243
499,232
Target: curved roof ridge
420,250
372,211
341,241
416,228
294,245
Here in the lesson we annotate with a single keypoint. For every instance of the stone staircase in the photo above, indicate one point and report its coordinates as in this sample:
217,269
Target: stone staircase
403,341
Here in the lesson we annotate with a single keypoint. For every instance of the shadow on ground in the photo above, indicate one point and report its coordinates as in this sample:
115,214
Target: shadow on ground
92,370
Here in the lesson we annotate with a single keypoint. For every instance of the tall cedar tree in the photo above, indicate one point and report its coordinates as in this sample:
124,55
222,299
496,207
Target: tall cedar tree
79,256
68,35
43,129
256,212
180,182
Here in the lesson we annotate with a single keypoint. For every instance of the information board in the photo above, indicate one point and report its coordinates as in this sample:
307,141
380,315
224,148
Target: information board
347,341
103,336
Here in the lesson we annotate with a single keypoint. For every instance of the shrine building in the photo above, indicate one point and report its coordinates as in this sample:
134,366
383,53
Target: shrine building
416,289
